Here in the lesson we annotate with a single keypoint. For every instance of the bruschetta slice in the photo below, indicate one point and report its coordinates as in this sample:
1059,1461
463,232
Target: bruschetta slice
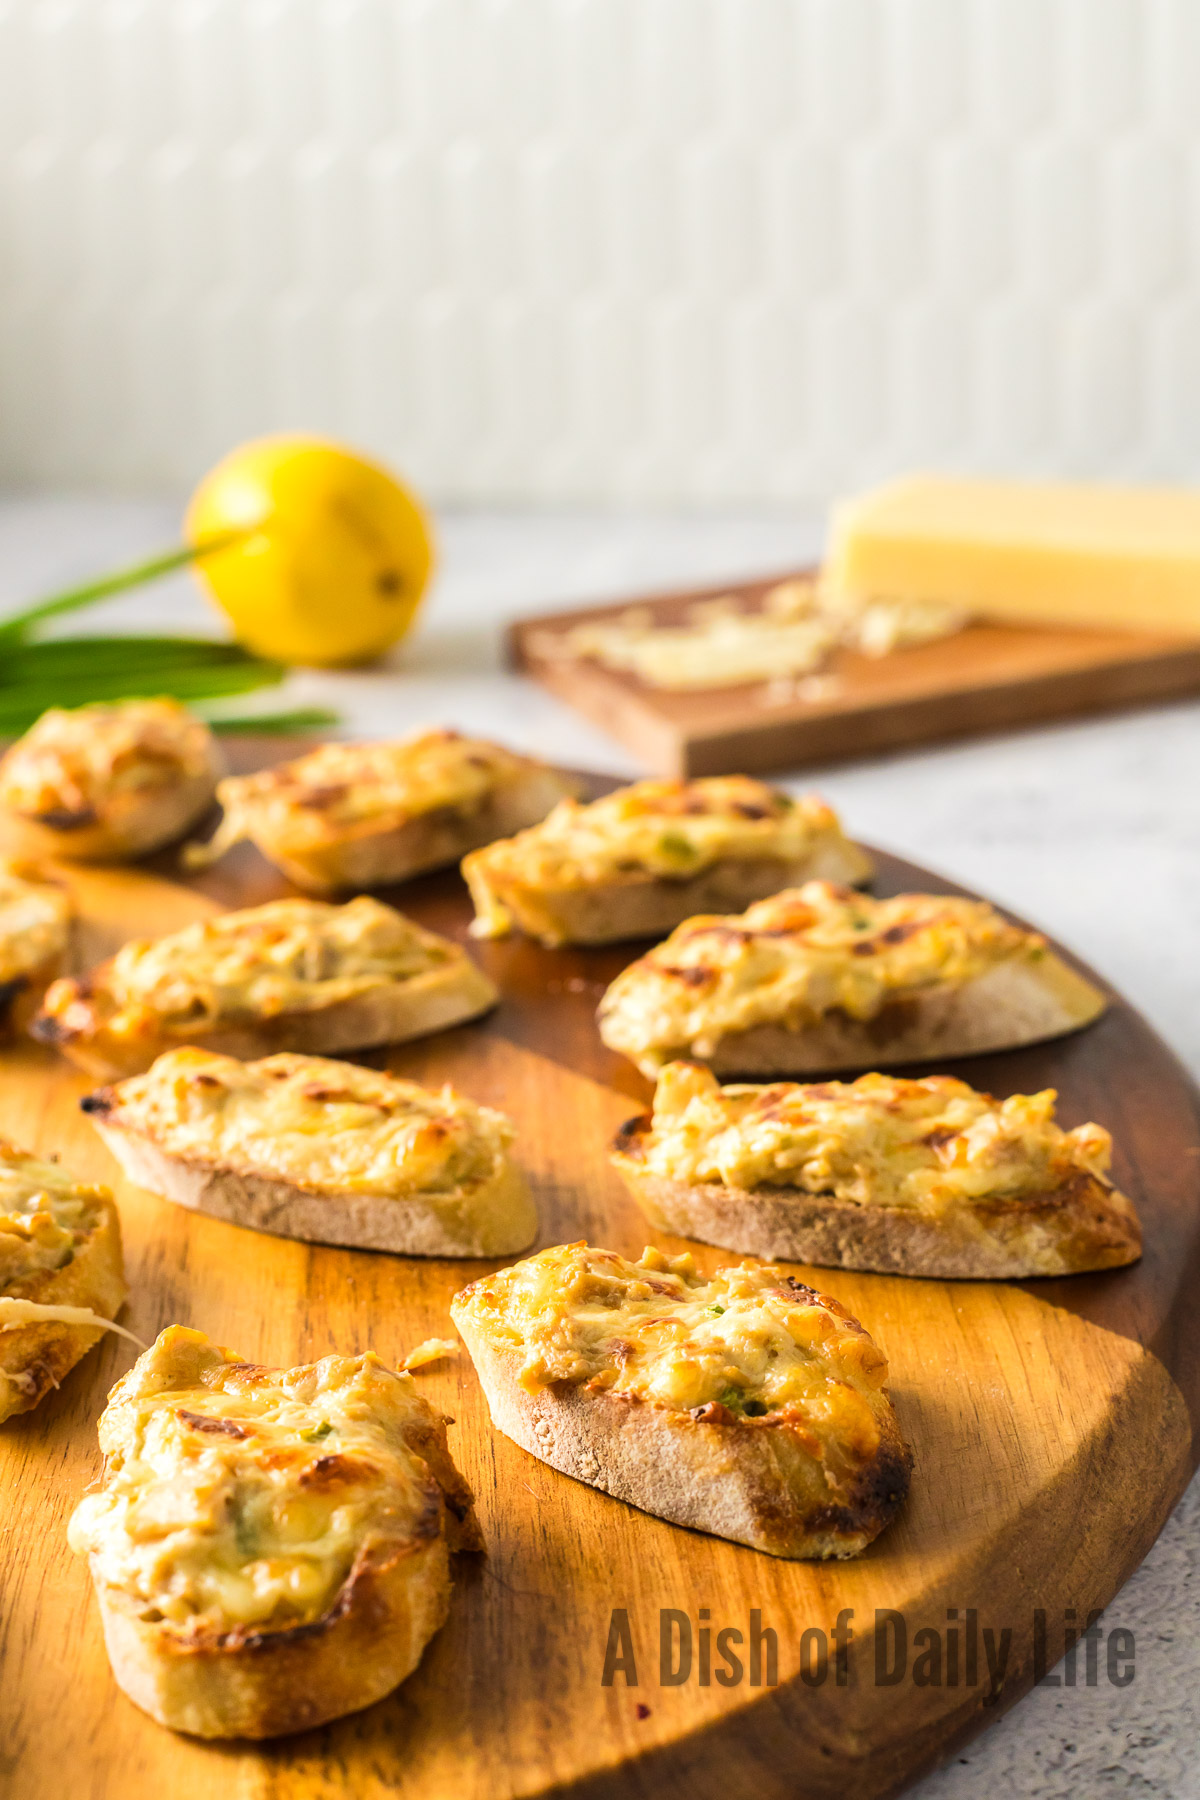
821,978
327,1151
292,975
62,1279
35,930
108,782
364,815
902,1177
747,1405
639,861
270,1548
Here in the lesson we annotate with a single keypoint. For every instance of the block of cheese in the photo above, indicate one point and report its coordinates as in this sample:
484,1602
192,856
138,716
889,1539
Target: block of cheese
1025,552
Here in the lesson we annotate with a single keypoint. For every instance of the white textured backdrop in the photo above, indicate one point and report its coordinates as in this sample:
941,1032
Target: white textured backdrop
651,250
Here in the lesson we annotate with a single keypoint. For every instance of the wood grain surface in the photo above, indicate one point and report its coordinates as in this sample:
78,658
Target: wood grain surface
1052,1425
986,678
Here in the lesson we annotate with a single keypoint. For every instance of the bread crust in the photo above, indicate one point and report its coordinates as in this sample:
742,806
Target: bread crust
21,996
370,855
260,1684
494,1218
35,1358
643,905
747,1480
132,823
390,1013
1083,1225
1015,1003
375,857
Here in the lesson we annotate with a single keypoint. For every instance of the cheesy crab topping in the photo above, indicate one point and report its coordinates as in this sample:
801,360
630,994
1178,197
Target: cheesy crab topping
318,1124
287,956
879,1141
751,1343
45,1215
34,923
238,1496
671,829
71,764
358,789
798,955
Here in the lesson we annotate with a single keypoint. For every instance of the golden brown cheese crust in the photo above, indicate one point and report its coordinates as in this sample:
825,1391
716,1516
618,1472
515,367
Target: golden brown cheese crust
365,814
650,1381
109,780
915,1177
672,839
294,974
60,1245
35,929
306,1147
269,1547
823,956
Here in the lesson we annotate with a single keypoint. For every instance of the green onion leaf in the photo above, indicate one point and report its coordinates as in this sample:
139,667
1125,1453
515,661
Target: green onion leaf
119,582
301,718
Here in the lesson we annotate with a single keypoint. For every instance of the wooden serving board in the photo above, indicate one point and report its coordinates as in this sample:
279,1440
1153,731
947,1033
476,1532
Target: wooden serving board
1052,1423
985,678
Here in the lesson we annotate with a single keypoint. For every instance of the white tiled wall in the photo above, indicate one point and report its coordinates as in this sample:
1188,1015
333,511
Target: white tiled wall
654,250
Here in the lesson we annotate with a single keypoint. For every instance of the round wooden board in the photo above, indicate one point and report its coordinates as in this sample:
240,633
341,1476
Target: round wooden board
1051,1422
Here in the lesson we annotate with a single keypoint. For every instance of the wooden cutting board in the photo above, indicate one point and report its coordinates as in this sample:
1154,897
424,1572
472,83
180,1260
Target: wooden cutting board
986,678
1052,1424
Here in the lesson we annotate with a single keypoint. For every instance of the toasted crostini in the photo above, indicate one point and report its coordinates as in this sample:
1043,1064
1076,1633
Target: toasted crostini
821,978
109,782
270,1547
903,1177
363,815
292,975
327,1151
641,860
35,930
747,1405
62,1279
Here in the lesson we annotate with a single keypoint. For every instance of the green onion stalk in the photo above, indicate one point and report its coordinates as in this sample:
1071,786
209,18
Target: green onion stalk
37,672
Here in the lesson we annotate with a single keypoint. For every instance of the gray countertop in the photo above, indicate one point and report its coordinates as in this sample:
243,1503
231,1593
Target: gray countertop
1089,829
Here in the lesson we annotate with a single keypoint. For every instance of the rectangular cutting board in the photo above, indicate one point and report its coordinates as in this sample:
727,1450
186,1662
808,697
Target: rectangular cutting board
1052,1425
985,678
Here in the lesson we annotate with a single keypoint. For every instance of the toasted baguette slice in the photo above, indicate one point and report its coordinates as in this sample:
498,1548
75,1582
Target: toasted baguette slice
641,860
35,931
820,978
326,1151
312,1514
292,975
60,1248
747,1406
363,815
901,1177
106,783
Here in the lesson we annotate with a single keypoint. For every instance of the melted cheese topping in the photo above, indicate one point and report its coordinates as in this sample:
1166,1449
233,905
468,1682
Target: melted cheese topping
70,764
674,829
287,956
45,1214
347,789
753,1340
240,1496
318,1124
788,960
34,923
879,1141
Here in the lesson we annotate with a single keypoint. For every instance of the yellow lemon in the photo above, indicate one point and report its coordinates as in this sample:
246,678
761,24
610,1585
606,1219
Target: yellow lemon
336,557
